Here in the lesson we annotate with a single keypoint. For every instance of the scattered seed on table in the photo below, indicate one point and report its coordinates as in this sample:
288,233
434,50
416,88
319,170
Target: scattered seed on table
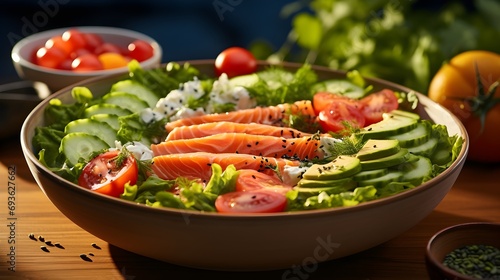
41,238
85,258
59,245
32,237
45,249
49,243
91,254
96,246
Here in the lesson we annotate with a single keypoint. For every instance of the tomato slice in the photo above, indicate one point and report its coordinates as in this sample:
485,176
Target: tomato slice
252,180
341,114
250,202
103,175
235,61
378,103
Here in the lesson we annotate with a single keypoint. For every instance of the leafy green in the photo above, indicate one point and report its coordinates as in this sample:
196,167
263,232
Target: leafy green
133,128
401,41
183,193
163,80
277,85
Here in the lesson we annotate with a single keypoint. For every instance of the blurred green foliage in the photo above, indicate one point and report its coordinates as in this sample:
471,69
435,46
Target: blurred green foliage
402,41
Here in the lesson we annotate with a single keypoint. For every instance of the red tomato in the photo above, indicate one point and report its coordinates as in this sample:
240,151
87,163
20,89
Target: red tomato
378,103
108,47
339,113
78,52
322,99
51,58
58,42
250,202
235,61
86,62
74,38
102,174
92,41
251,180
65,64
140,50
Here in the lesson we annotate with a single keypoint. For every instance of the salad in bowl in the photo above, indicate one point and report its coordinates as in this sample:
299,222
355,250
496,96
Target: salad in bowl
187,150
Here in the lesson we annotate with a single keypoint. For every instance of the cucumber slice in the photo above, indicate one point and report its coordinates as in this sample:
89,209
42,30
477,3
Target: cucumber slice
104,108
392,124
244,80
405,114
125,100
78,145
136,89
342,87
414,137
370,174
425,149
99,129
110,119
401,156
344,184
393,176
415,172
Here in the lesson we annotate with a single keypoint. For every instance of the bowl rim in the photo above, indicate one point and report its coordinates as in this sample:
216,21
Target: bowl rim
100,30
29,155
454,228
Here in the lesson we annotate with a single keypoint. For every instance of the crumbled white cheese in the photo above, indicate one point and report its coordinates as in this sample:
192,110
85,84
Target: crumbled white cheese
292,174
137,149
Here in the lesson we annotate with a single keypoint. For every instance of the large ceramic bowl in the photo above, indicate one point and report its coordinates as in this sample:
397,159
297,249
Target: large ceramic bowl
244,242
57,79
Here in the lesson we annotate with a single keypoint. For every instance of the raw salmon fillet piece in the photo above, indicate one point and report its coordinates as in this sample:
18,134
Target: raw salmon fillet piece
303,148
271,115
207,129
198,165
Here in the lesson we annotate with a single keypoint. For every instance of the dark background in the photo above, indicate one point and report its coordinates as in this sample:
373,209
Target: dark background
189,29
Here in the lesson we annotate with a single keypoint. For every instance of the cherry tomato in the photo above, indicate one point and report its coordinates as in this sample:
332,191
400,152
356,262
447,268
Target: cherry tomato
103,175
140,50
455,86
107,48
112,60
58,42
235,61
86,62
378,103
340,115
92,41
78,52
50,58
251,180
250,202
74,38
65,64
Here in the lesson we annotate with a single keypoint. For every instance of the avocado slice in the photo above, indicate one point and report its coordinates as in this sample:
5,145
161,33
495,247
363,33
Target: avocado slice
393,123
374,148
340,167
401,156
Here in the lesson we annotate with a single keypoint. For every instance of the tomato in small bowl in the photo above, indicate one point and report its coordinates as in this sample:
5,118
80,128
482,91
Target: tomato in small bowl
62,57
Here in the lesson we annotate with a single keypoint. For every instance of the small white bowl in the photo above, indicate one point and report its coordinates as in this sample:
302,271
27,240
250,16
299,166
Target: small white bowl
58,79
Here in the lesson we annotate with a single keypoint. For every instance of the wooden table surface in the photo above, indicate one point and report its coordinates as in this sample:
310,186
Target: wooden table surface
474,197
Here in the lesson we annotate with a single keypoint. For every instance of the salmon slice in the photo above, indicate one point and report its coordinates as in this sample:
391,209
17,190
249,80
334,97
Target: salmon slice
303,148
207,129
198,165
271,115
